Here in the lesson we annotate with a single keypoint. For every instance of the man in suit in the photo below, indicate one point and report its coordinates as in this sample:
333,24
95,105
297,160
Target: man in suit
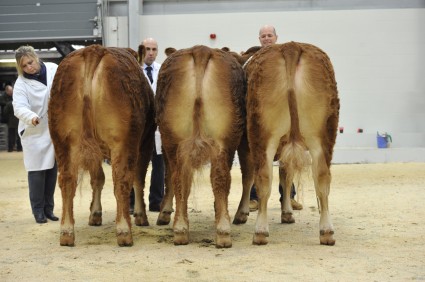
151,70
156,190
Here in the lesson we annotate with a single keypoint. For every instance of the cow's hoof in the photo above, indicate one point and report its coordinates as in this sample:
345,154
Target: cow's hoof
140,220
223,240
67,239
164,218
124,239
260,239
181,238
95,219
240,218
327,238
287,217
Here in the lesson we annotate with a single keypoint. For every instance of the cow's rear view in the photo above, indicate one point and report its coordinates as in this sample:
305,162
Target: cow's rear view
292,107
200,113
101,107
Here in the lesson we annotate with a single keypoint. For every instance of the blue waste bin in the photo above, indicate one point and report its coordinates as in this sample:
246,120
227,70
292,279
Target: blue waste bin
383,140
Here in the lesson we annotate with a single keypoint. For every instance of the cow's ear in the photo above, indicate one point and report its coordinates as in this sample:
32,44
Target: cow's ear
169,51
142,53
225,49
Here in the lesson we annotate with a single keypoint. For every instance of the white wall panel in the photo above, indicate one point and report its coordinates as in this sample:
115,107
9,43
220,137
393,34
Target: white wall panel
116,32
378,56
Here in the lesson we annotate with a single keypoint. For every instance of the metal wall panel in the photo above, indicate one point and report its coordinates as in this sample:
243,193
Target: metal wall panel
29,20
164,7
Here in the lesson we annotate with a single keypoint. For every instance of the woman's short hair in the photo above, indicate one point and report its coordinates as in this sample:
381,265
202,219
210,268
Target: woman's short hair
24,51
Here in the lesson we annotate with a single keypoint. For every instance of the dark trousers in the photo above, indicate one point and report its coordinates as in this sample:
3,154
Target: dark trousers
253,195
12,139
156,190
42,185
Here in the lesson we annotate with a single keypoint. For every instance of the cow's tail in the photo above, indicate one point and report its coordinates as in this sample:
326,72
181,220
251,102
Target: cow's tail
90,152
197,150
293,154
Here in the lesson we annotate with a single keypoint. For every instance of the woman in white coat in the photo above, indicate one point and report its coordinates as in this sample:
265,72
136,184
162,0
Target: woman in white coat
30,102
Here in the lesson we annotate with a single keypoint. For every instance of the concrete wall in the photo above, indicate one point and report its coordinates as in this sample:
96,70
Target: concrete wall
378,56
116,31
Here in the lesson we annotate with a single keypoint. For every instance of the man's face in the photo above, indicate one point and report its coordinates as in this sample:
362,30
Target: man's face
151,48
267,36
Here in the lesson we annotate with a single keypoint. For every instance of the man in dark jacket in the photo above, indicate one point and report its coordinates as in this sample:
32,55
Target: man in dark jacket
4,98
12,122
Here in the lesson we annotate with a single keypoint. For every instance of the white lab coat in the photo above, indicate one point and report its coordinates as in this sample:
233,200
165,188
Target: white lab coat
31,99
155,71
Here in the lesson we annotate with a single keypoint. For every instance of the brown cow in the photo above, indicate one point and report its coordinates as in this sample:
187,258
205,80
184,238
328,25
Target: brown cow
101,107
200,113
292,106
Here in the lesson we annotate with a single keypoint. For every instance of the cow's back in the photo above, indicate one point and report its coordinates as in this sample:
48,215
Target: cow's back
101,107
307,72
200,113
99,99
200,95
292,107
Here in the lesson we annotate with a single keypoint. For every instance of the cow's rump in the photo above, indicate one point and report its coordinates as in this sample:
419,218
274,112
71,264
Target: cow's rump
200,113
101,107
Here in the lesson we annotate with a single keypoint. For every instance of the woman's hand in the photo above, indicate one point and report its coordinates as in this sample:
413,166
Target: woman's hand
35,121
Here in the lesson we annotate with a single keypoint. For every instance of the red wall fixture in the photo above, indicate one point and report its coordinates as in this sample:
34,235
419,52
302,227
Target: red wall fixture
213,36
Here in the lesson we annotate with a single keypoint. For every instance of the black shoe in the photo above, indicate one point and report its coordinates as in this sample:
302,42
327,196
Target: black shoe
40,218
154,208
52,217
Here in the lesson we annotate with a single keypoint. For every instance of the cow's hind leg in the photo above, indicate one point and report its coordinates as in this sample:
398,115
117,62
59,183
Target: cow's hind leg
263,183
68,186
97,180
220,180
166,209
247,170
145,154
123,172
286,207
322,179
182,181
140,217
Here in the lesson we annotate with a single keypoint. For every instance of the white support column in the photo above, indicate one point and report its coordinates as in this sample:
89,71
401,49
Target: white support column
133,23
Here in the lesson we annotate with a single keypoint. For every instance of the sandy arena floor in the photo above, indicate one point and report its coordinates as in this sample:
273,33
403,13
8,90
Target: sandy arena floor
378,211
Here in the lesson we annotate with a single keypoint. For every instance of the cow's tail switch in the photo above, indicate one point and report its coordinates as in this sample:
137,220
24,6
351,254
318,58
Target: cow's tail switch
294,152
